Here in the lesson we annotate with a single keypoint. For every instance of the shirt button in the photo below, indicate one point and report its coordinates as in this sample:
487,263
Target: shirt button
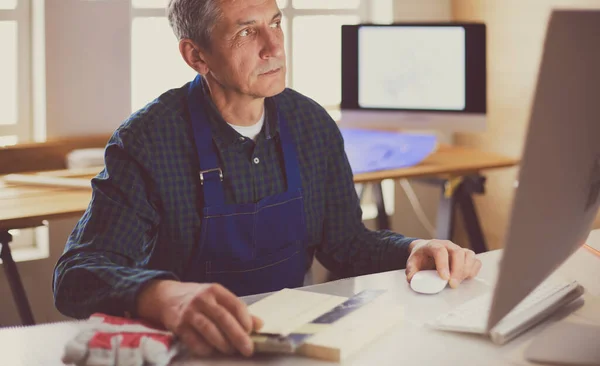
256,160
241,138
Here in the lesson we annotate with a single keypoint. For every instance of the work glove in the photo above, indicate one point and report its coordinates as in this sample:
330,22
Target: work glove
109,340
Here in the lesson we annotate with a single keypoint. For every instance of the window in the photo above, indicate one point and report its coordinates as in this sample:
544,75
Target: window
313,31
15,72
154,48
30,244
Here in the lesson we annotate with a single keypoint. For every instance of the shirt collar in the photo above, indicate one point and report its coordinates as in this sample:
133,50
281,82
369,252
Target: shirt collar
227,137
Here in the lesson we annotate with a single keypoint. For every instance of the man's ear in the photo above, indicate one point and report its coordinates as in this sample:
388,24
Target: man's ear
193,56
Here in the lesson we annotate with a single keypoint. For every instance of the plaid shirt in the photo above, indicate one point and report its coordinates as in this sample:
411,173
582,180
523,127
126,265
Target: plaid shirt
143,218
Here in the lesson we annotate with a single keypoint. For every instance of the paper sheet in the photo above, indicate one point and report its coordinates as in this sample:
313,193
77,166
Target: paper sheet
288,310
371,150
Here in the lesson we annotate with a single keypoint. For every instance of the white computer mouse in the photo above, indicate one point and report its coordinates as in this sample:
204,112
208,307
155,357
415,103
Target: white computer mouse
428,282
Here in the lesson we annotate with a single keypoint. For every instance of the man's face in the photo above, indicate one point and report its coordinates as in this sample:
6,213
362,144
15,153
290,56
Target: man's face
247,52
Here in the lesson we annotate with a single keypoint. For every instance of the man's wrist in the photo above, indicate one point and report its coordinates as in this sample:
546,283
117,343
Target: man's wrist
151,301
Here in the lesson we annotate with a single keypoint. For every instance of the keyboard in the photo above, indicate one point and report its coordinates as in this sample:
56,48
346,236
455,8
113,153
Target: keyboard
472,316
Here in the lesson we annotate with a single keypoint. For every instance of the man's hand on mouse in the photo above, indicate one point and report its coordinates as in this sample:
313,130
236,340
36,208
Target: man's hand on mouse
452,262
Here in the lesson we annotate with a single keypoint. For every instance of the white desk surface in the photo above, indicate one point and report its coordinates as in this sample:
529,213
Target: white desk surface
409,344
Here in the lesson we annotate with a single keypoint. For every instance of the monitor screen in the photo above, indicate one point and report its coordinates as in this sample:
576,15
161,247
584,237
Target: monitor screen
431,67
412,68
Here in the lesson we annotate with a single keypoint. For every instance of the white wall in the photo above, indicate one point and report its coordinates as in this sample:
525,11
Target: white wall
422,10
88,78
88,91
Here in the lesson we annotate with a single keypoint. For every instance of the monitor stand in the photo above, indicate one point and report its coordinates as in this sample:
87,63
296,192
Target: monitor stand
566,343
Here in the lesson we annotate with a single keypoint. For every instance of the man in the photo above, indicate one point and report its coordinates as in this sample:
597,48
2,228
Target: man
227,186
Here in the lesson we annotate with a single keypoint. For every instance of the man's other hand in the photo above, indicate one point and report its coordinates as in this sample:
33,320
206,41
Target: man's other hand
452,262
205,317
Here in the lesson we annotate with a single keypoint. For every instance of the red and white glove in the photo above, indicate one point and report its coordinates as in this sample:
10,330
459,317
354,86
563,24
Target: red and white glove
110,340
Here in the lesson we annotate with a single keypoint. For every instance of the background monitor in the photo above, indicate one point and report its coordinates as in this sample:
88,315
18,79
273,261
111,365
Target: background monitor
415,76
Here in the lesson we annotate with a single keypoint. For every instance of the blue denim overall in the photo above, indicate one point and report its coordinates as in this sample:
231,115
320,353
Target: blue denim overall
253,247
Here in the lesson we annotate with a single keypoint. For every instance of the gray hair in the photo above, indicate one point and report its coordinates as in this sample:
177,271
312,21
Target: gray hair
194,19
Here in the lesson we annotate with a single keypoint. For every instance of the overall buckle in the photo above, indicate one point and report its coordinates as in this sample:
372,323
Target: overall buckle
202,172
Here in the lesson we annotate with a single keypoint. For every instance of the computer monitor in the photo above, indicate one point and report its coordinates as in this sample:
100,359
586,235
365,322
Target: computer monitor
557,197
414,76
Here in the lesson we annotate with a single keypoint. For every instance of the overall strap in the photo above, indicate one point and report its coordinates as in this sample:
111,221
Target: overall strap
211,175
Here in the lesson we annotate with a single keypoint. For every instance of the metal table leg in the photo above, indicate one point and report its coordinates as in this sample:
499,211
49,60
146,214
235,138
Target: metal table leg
383,221
458,193
464,198
360,190
14,280
445,215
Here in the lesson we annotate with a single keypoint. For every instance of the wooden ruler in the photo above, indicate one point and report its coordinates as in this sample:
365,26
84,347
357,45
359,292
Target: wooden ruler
339,332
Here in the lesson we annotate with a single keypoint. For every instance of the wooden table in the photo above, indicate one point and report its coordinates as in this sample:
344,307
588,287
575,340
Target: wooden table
448,161
457,169
26,207
458,172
